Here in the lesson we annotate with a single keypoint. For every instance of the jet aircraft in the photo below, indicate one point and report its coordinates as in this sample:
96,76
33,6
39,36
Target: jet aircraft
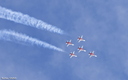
81,49
69,43
72,54
92,54
80,38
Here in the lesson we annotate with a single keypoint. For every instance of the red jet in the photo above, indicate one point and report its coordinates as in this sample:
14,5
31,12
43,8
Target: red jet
80,38
81,49
72,54
69,43
92,54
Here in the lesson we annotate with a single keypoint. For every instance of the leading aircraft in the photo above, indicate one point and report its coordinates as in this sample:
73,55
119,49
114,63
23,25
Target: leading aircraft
69,43
72,54
81,49
80,38
92,54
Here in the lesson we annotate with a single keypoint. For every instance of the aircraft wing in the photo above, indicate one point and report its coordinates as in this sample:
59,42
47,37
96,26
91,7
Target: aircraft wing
71,56
79,50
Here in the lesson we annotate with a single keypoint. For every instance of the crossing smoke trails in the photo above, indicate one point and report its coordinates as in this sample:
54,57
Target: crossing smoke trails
14,36
27,20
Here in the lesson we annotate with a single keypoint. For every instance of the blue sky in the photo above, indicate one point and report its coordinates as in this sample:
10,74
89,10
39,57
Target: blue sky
103,24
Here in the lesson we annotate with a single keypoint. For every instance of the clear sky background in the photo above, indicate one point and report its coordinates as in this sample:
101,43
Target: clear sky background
102,23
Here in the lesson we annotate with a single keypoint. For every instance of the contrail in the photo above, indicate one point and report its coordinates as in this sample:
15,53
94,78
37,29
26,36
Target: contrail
27,20
18,37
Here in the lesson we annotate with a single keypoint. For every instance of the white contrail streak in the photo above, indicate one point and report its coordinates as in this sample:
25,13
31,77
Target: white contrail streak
18,37
27,20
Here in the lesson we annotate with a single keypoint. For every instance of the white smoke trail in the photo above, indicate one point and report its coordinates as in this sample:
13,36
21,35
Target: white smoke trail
27,20
14,36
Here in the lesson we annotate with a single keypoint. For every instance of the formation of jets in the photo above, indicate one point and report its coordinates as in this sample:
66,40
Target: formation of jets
72,54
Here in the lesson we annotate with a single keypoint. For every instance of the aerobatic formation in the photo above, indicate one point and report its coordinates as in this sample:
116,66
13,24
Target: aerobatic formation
39,24
72,54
